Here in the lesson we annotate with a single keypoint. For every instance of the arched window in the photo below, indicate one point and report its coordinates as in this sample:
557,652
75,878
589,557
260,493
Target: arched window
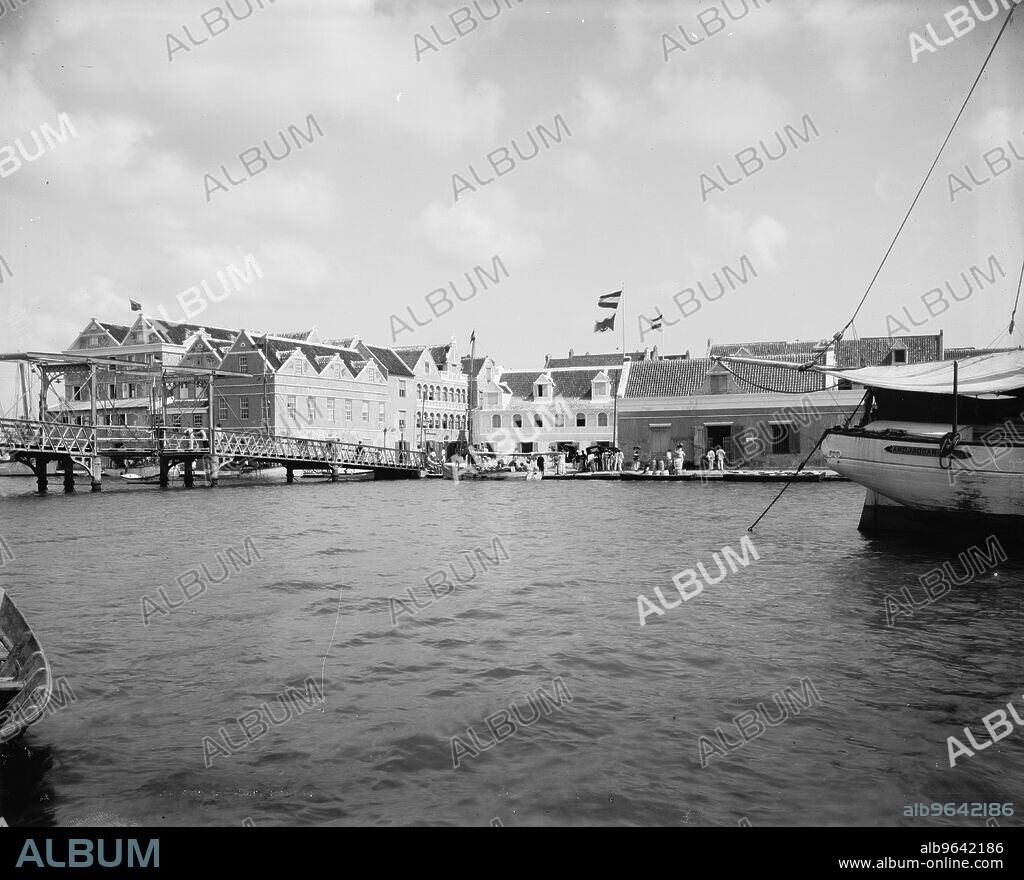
602,420
517,421
447,421
444,395
430,393
419,420
581,420
559,420
538,422
419,391
495,421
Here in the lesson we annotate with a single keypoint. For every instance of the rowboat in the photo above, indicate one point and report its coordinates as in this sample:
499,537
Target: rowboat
25,682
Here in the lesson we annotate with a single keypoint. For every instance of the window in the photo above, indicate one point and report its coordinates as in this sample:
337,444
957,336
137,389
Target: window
348,410
330,410
243,407
538,422
222,409
401,420
291,406
559,420
311,408
197,420
581,420
542,390
444,395
444,421
112,392
430,393
419,420
401,388
495,421
366,412
600,389
382,415
718,384
517,421
602,420
419,391
783,438
337,371
76,392
899,356
243,363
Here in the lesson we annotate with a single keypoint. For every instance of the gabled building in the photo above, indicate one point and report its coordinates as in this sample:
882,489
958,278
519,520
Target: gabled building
122,397
548,410
304,388
441,392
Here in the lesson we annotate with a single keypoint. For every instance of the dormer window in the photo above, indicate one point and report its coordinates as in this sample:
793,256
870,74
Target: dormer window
899,356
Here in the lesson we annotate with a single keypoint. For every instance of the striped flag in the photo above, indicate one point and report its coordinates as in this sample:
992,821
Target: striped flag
609,300
136,307
657,321
607,324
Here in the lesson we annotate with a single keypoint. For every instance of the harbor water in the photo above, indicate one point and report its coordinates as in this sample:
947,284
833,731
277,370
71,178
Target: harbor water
546,579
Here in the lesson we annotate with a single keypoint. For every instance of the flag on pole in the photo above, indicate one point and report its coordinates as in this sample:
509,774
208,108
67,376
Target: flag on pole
657,321
472,337
609,300
136,307
607,324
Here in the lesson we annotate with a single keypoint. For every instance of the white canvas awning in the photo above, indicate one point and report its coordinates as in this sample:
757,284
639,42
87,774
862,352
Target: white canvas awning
984,374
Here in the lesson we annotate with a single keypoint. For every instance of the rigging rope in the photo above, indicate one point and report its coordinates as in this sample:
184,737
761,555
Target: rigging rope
1013,314
945,141
800,467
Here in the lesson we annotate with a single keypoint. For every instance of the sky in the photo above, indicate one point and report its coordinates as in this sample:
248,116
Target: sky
366,219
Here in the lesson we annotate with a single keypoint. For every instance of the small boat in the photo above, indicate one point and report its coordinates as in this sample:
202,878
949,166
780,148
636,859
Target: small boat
25,681
345,475
149,475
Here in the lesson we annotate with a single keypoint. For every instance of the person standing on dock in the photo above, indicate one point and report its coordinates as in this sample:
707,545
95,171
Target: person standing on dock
720,455
710,456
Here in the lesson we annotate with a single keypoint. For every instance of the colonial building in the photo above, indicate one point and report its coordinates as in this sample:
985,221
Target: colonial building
761,416
123,397
569,403
441,392
305,388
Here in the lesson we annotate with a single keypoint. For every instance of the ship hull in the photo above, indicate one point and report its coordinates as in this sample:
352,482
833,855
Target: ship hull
976,484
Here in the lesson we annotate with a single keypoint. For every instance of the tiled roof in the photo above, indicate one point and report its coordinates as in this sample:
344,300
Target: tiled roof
439,353
799,351
410,354
956,354
683,377
278,350
587,359
300,335
388,360
871,350
573,384
341,343
472,367
118,331
177,333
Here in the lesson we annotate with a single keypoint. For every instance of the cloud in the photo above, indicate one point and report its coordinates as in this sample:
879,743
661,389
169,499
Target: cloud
478,228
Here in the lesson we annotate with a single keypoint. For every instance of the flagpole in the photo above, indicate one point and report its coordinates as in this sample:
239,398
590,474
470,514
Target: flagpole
615,399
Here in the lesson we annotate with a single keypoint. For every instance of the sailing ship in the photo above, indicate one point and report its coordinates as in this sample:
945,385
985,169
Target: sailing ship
25,680
940,443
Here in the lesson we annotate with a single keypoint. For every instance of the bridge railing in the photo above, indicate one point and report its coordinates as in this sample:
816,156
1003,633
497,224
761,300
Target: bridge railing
246,444
28,435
